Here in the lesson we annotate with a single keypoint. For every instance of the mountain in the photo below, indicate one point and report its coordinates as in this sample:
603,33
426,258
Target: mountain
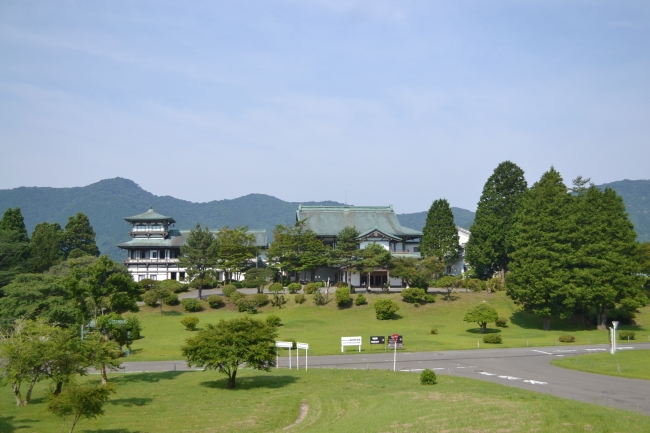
636,195
417,220
107,202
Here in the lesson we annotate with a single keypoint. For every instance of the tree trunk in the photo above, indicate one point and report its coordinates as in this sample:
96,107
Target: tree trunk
103,374
601,319
546,323
59,387
28,396
502,274
19,398
231,380
483,328
75,418
161,302
200,288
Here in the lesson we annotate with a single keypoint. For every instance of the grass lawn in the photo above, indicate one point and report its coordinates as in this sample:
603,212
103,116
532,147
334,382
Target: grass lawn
339,400
322,327
633,363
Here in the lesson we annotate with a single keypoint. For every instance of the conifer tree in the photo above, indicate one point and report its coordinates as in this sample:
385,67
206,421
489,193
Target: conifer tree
199,255
79,235
46,246
14,246
347,253
12,220
490,243
540,278
440,233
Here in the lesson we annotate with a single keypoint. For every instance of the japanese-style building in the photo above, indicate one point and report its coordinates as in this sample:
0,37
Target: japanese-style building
376,224
155,245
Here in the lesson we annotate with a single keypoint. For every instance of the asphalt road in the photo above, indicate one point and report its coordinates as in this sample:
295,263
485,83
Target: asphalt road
526,368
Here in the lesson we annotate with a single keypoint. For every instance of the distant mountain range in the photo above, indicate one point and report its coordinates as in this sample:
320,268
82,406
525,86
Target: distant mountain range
107,202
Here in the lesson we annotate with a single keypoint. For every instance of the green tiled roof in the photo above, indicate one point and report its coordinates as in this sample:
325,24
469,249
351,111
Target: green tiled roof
150,215
330,220
176,238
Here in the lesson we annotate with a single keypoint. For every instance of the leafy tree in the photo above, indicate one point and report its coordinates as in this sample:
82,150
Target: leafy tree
374,256
79,235
13,221
229,344
278,299
342,296
417,273
605,262
65,357
199,255
540,275
236,248
259,277
46,246
296,249
413,295
440,235
14,246
490,244
385,309
481,314
346,254
157,295
80,401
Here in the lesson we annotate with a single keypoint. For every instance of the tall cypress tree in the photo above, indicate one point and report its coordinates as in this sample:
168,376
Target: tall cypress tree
605,264
46,246
79,235
490,243
440,235
12,220
540,275
14,246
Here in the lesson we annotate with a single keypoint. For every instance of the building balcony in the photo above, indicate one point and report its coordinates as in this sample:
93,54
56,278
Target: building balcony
149,233
151,261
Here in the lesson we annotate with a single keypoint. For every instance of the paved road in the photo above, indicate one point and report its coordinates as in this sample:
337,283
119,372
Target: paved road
526,368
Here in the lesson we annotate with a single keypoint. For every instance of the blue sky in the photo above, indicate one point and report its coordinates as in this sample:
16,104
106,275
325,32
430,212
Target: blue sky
392,102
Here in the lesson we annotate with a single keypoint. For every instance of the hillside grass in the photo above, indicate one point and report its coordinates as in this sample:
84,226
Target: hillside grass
323,326
339,400
632,363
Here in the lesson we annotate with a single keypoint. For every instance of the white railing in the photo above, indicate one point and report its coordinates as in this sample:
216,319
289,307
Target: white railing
151,261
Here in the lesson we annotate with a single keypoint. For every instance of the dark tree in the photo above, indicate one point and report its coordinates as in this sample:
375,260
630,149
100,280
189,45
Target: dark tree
14,246
540,275
12,220
440,233
46,246
346,254
79,235
199,255
490,243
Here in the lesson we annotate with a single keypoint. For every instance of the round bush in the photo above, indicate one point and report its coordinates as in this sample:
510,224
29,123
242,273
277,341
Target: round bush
236,296
567,339
385,308
501,322
237,284
413,295
429,299
191,305
190,322
276,288
150,298
172,299
624,335
299,298
361,300
428,377
260,299
492,339
246,304
310,288
434,331
294,288
215,301
342,295
340,284
228,290
274,320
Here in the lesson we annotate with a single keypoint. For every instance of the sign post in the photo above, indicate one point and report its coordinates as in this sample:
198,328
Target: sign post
283,345
350,341
379,339
395,337
613,337
305,347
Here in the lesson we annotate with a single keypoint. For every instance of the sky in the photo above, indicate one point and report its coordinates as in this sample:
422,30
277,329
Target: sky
373,102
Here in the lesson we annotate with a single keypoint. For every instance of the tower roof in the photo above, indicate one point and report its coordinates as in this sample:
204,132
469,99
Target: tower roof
149,216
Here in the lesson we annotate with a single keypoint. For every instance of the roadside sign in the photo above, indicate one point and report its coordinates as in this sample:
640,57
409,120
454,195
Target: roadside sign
380,339
395,337
350,341
395,342
284,344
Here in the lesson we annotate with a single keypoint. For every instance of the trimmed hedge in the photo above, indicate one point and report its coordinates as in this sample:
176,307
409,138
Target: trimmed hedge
190,322
342,295
310,288
299,298
413,295
215,301
385,309
294,288
492,339
172,299
567,339
361,300
236,296
191,305
501,322
624,335
428,377
228,290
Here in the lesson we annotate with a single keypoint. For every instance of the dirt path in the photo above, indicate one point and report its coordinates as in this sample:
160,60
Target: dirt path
304,409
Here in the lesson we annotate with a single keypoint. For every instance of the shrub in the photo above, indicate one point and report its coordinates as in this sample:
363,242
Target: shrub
428,377
416,305
473,284
492,339
501,322
299,298
235,296
340,284
172,299
215,301
228,290
361,300
319,299
319,284
133,325
249,284
173,286
624,335
274,320
413,295
385,308
429,299
190,322
446,281
276,288
191,305
294,288
434,331
246,304
237,284
310,288
494,284
567,339
342,295
260,299
150,298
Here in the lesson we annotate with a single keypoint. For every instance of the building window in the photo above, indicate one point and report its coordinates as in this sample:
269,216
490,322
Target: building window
153,277
141,277
416,249
173,275
154,254
181,276
155,228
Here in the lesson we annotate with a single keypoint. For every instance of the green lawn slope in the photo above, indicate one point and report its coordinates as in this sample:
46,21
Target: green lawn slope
322,327
624,363
339,401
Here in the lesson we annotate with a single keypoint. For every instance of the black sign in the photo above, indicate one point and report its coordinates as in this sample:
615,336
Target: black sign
391,344
377,340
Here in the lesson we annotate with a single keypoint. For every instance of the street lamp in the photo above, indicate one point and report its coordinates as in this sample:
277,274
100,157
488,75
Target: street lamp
613,337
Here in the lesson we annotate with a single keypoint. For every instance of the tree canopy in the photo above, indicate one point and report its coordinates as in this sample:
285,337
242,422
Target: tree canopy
199,255
440,235
235,249
481,314
346,254
80,236
296,249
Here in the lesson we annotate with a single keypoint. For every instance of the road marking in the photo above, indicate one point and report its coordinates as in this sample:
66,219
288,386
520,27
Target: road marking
566,350
485,373
595,350
510,377
439,368
541,351
624,348
535,382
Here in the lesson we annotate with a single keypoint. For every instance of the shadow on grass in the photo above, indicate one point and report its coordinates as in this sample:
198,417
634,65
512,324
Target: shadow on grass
527,320
396,317
487,331
130,402
172,313
245,383
112,430
8,425
147,377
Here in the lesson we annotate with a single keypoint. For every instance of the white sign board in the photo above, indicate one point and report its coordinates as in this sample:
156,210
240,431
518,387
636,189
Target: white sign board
350,341
303,346
284,344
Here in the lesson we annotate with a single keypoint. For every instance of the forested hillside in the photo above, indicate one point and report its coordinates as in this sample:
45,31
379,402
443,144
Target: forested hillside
636,195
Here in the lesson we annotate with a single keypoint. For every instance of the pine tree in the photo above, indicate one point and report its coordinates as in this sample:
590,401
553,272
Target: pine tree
605,265
490,243
540,275
440,233
199,255
79,235
347,253
14,246
12,220
46,246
